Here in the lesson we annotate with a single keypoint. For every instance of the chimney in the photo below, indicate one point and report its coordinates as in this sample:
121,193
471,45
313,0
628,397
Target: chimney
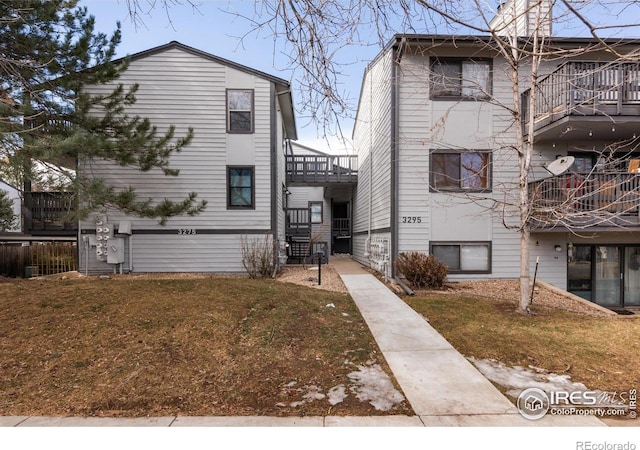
520,18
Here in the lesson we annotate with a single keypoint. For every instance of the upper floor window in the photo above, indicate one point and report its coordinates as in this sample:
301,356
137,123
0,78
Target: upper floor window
460,78
240,188
460,171
240,110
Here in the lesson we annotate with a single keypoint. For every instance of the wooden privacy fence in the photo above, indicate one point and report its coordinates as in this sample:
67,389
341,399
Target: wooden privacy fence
39,258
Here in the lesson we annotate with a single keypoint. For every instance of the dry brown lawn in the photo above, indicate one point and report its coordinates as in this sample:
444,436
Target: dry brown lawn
600,352
152,346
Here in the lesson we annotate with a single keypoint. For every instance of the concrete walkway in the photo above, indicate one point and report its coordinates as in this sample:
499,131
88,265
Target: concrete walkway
441,385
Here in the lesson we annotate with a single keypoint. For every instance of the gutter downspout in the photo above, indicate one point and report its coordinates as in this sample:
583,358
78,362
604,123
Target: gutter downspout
273,150
403,285
367,246
395,61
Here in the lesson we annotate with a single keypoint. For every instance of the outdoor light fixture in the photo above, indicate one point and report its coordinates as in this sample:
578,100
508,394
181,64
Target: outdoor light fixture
558,248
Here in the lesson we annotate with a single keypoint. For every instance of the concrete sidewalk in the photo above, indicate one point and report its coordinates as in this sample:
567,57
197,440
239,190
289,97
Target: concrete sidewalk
441,385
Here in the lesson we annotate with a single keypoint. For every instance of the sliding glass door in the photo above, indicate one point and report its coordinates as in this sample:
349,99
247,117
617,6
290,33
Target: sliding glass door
608,275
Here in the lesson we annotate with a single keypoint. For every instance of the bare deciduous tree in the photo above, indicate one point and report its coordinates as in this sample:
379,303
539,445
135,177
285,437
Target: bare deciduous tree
315,34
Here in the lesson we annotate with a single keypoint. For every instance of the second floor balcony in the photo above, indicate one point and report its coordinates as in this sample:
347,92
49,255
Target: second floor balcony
586,201
322,169
48,213
586,100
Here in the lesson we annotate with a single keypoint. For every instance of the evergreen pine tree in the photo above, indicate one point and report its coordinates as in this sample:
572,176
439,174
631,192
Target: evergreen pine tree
7,217
49,51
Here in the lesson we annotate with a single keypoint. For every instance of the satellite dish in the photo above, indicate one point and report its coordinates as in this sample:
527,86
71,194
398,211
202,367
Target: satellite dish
560,165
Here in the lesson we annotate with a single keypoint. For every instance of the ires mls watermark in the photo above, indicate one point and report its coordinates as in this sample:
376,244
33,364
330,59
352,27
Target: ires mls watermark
534,403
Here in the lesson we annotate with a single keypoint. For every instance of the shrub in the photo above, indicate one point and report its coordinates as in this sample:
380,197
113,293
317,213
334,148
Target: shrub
258,256
422,270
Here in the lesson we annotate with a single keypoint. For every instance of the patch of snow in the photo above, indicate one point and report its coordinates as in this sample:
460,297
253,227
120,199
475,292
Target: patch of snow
345,314
337,394
368,383
373,384
330,305
313,393
517,378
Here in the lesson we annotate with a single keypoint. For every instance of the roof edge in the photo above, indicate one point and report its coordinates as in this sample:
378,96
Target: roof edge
203,54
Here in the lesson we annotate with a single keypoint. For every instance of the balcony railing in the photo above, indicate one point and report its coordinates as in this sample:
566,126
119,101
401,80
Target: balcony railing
584,89
49,212
341,227
298,224
322,169
584,201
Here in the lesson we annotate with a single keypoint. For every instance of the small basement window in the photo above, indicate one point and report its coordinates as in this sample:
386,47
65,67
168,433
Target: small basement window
463,257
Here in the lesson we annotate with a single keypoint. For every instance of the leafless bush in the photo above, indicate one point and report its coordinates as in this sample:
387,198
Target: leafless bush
422,270
258,256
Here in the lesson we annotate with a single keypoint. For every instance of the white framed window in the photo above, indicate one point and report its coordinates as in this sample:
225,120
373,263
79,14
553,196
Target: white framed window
468,171
316,212
460,78
240,116
240,187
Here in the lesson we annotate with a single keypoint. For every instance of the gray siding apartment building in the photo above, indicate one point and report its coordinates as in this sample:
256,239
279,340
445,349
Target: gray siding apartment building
434,157
438,172
237,166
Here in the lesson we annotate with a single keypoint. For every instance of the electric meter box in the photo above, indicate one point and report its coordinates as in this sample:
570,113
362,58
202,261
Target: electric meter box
115,251
124,227
104,234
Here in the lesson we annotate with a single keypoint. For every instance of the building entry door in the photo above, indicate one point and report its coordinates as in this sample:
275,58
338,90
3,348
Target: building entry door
341,227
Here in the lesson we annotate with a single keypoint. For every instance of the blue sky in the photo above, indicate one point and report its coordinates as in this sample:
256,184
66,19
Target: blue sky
214,29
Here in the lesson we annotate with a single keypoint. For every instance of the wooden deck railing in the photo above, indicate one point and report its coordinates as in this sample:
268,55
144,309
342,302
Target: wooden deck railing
602,199
298,223
49,212
586,88
322,169
341,227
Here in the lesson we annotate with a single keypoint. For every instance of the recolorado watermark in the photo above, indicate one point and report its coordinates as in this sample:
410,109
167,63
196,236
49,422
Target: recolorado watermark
590,445
534,404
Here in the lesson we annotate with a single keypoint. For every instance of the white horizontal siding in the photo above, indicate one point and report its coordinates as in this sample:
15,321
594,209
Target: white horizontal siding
415,119
173,253
181,89
372,138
